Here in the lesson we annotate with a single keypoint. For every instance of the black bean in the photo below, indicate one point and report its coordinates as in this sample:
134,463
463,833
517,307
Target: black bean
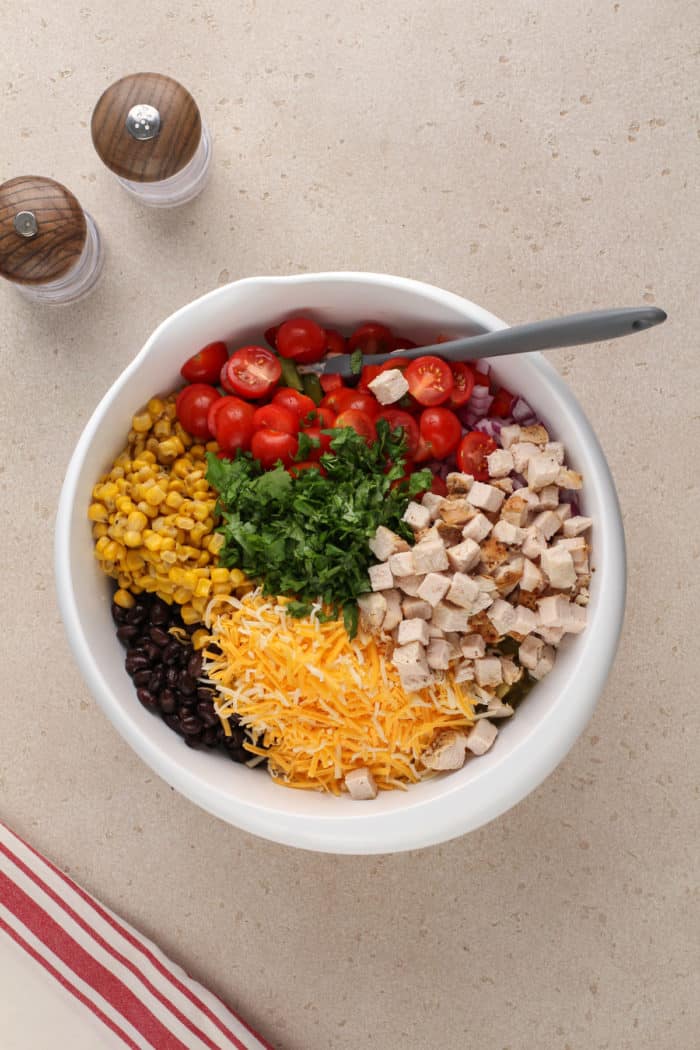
239,754
205,710
209,737
147,699
153,652
173,653
174,723
171,677
231,743
191,724
156,679
160,613
195,742
205,692
137,613
159,636
186,684
168,702
194,665
143,678
118,614
127,633
136,662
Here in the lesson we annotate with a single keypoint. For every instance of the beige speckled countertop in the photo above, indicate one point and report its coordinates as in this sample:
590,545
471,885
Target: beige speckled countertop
538,158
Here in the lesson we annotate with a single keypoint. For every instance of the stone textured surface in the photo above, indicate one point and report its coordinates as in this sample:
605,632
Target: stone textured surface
538,158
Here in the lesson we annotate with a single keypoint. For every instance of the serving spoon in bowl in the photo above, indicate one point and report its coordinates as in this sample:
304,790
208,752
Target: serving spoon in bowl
573,330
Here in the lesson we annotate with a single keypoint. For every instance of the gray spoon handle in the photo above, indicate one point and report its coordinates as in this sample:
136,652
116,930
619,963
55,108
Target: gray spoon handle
574,330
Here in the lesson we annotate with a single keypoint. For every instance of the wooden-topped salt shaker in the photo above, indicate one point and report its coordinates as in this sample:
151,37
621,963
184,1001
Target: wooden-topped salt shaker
148,130
50,247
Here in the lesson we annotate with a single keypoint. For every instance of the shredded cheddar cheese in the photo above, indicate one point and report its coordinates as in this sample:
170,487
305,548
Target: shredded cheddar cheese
319,705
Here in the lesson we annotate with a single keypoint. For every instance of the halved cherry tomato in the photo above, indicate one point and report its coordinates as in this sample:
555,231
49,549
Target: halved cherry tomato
359,400
430,380
333,400
371,338
231,422
271,336
270,445
440,428
335,342
192,408
472,452
395,417
330,382
480,378
299,404
360,422
368,373
396,362
251,372
205,366
301,340
502,403
463,375
324,441
276,417
295,469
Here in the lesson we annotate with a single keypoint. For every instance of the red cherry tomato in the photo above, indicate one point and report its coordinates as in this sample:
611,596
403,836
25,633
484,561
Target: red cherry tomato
472,452
463,375
295,469
438,486
440,428
360,422
301,340
424,452
233,424
270,445
333,400
396,362
430,380
502,403
324,441
401,343
359,400
480,378
330,383
335,342
205,366
192,408
395,417
368,373
271,336
299,404
276,417
371,338
251,372
322,417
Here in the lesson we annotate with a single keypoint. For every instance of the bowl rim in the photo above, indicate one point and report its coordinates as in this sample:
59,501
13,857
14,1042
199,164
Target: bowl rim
357,830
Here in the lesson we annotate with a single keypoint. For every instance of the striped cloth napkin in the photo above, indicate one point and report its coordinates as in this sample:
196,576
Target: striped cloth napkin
73,974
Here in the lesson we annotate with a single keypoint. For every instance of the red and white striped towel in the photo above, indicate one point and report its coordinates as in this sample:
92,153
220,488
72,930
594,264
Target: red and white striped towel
73,974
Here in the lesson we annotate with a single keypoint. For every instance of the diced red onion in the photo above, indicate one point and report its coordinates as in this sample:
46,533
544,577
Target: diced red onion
491,427
518,480
522,413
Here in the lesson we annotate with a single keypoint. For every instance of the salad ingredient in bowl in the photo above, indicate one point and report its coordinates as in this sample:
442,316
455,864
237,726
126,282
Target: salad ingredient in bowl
349,585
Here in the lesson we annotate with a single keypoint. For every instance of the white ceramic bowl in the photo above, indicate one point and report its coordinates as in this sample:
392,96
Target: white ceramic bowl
529,746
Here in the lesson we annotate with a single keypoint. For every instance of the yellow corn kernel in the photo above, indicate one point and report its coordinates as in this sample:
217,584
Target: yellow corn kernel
168,543
101,545
148,455
204,558
237,577
212,446
189,614
162,429
137,521
168,450
99,530
98,512
182,435
124,580
152,541
195,475
183,522
122,485
220,575
141,467
198,532
124,504
132,538
124,599
203,587
116,472
108,567
142,422
176,485
221,588
136,590
216,542
113,551
245,588
155,495
133,561
200,639
200,510
169,556
173,500
182,595
155,406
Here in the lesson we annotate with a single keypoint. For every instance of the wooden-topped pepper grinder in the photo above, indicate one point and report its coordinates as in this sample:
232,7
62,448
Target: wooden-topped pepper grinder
49,247
148,130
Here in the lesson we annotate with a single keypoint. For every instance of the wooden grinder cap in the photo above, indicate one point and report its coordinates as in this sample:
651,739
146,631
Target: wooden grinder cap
42,230
152,150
